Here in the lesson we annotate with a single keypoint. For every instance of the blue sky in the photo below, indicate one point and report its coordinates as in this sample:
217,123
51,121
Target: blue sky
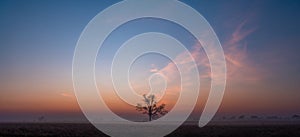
38,38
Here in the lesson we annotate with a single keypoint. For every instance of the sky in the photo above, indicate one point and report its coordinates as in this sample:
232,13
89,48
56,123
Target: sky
38,38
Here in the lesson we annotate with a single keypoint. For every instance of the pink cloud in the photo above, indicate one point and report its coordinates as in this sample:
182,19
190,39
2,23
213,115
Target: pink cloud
66,94
153,69
239,65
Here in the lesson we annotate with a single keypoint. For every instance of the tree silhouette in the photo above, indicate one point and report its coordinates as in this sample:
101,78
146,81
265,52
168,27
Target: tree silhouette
150,107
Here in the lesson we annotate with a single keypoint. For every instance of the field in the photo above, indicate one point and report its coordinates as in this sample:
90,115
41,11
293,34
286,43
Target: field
87,130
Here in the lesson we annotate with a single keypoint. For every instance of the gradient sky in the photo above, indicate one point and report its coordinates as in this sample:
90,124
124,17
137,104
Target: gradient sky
38,38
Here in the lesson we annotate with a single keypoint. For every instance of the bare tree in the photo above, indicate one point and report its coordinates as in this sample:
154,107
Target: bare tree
151,108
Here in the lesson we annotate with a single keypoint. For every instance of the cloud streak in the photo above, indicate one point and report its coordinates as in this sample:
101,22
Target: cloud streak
67,95
239,65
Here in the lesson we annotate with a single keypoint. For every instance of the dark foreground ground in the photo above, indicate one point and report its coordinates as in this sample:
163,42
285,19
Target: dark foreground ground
87,130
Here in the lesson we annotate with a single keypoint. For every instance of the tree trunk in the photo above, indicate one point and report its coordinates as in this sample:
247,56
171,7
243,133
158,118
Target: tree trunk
150,117
150,113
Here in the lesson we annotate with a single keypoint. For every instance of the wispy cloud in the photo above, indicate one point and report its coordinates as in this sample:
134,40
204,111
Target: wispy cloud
67,94
239,65
153,69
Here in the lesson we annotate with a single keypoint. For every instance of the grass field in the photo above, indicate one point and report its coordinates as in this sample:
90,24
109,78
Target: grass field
87,130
